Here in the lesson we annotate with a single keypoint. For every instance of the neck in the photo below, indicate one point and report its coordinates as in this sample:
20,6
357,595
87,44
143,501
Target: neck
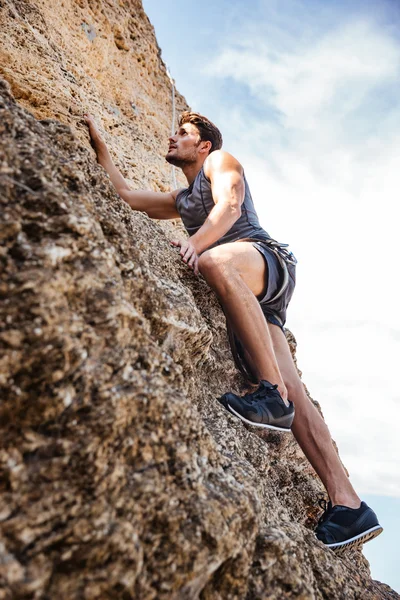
192,170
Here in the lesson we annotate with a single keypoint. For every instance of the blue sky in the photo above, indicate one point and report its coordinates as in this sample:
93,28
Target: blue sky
306,95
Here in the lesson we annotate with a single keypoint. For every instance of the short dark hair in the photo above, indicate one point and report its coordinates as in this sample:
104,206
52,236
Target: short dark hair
207,130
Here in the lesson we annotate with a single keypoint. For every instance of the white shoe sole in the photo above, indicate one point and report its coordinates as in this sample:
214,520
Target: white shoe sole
264,425
358,540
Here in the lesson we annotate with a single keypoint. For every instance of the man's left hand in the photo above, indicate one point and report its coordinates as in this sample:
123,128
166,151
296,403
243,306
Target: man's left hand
188,253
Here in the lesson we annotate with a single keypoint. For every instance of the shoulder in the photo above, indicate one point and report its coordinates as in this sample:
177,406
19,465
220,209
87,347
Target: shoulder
220,161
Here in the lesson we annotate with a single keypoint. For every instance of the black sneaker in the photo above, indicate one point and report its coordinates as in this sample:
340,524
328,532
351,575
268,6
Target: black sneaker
263,408
342,527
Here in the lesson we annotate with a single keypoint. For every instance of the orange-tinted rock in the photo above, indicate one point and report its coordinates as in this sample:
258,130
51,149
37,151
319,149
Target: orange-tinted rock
120,475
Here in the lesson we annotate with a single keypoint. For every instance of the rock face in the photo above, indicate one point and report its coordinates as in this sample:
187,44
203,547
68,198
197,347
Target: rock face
121,477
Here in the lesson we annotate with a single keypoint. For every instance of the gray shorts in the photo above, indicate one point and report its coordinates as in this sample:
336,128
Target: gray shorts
275,310
281,282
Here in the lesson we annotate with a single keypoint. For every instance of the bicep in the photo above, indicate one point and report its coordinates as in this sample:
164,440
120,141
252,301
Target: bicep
227,178
228,186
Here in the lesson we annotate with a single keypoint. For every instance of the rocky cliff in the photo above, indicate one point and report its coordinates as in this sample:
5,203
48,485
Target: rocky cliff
121,477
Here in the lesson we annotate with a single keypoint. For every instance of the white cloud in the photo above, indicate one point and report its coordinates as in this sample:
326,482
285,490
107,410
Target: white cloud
304,82
323,163
350,377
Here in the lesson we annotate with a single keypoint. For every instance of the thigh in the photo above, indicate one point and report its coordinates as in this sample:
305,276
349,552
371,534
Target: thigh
240,257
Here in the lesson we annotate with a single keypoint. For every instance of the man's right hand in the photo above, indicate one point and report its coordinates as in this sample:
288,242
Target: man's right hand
95,137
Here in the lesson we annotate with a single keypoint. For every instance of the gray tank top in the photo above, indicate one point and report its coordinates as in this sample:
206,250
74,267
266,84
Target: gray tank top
196,202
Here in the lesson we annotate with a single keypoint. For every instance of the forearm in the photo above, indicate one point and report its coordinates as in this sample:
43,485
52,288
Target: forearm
157,205
105,160
219,221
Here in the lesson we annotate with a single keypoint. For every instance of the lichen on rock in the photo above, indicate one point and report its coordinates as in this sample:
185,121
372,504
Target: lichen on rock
120,474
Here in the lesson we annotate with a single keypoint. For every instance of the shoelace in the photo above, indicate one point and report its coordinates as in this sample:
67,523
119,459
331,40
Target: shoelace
253,396
323,504
326,508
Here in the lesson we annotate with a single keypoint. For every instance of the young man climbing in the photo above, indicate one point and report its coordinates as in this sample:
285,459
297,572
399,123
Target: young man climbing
253,277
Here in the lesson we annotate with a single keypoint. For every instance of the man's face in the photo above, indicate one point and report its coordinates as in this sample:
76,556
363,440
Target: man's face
184,146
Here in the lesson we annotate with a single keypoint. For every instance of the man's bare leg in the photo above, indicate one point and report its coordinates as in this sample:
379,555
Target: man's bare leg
237,272
310,429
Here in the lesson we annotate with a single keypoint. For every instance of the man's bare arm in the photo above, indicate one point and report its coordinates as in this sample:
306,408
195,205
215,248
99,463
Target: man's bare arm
158,205
227,186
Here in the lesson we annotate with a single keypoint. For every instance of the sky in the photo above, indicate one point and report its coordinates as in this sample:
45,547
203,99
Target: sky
305,93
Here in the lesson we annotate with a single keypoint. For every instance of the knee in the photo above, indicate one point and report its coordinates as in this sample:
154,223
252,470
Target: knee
305,409
212,266
295,390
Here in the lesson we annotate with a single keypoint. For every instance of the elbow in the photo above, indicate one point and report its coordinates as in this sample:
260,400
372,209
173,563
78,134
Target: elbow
127,196
123,191
236,211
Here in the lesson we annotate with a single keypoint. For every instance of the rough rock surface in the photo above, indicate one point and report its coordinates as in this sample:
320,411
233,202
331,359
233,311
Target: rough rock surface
121,477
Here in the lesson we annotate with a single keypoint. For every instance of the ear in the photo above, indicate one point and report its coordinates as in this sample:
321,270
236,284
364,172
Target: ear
206,146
